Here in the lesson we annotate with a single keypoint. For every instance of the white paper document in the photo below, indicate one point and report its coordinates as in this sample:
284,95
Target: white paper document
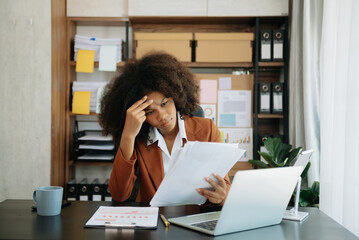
242,136
234,108
192,163
108,55
140,217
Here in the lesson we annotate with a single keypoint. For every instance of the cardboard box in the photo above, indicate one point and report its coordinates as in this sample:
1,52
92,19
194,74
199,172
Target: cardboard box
176,44
224,47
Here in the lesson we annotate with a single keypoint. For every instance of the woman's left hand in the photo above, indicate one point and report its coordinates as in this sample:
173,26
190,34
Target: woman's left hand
219,191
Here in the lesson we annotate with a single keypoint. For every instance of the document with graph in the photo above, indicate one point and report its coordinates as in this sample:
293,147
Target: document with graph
124,217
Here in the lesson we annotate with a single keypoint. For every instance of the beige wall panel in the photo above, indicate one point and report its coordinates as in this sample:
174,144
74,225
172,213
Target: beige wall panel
25,97
167,8
97,8
248,8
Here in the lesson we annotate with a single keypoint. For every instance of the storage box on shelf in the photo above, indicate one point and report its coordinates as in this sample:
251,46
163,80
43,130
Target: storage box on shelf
177,44
223,47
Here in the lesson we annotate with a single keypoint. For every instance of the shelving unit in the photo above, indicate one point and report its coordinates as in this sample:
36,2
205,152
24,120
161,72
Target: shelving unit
270,124
263,71
272,71
72,24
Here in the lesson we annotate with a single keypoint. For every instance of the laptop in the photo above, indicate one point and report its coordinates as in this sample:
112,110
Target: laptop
303,158
257,198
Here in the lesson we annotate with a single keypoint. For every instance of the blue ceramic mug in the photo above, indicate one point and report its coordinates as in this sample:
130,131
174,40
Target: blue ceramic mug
48,200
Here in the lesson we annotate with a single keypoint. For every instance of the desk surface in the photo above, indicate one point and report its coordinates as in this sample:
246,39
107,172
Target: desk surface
17,221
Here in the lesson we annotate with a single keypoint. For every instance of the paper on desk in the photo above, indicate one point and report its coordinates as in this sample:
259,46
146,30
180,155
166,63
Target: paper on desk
145,217
192,163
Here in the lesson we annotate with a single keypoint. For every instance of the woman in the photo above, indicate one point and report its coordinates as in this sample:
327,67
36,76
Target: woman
148,110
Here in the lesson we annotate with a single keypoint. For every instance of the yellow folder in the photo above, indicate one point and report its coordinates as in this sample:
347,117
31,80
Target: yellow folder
85,61
81,102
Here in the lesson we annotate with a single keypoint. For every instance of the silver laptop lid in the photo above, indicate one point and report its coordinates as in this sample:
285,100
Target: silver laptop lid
257,198
303,158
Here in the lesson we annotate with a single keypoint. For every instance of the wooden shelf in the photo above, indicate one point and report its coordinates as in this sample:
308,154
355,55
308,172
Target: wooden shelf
219,64
91,114
271,64
269,115
195,64
94,163
98,21
273,20
119,64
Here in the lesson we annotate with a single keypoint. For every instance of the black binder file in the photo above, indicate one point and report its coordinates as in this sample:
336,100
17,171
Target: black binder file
264,97
278,40
84,190
266,45
262,138
96,190
280,136
72,193
106,192
277,97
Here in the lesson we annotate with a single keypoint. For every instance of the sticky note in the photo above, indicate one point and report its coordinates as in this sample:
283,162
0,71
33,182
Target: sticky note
225,83
108,56
85,61
208,91
81,102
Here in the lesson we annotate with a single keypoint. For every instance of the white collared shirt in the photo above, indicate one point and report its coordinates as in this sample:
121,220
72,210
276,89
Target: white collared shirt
155,135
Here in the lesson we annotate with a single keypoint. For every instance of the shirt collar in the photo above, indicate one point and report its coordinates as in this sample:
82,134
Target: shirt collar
154,135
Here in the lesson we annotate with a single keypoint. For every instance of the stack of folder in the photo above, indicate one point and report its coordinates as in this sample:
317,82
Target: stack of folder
90,145
92,43
95,90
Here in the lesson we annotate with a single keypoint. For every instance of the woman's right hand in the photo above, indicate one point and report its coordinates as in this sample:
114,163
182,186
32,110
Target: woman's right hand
135,116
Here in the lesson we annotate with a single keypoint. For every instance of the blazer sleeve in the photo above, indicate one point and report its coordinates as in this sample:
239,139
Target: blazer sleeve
122,177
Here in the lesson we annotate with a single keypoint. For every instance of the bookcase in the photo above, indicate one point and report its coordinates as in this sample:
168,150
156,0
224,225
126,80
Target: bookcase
269,124
88,26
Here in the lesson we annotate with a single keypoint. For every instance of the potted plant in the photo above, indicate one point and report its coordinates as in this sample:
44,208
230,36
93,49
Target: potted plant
280,154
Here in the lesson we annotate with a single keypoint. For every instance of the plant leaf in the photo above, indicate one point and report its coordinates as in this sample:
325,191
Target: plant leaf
305,171
258,163
315,189
272,145
303,203
282,152
306,194
268,158
293,154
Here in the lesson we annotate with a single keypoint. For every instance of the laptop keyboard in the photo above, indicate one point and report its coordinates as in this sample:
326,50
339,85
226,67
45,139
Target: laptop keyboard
209,225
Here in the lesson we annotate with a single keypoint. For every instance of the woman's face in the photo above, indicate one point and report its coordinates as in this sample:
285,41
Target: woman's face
162,113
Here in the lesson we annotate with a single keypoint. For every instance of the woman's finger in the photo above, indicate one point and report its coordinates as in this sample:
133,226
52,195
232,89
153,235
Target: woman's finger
220,180
141,104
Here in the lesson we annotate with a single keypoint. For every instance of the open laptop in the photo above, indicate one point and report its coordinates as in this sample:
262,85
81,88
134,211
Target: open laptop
303,158
257,198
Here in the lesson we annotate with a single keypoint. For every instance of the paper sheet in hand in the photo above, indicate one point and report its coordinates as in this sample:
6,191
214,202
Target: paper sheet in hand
140,217
192,163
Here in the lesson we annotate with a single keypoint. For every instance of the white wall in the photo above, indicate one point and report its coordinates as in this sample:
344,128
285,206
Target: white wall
25,97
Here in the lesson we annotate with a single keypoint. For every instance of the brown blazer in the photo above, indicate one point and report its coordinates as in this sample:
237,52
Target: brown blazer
151,164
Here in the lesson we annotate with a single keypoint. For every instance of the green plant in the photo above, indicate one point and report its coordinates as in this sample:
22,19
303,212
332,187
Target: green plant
279,154
309,197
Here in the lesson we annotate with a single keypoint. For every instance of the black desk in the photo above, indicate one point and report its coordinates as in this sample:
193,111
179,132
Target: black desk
17,221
